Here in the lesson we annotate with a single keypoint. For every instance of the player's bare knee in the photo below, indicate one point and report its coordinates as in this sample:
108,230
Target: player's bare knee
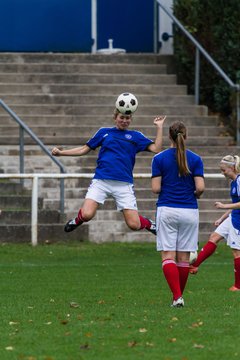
133,225
214,238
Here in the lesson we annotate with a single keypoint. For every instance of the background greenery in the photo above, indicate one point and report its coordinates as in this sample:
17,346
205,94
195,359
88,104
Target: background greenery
216,25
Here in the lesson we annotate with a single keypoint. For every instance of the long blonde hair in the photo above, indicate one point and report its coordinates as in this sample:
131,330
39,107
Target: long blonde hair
178,134
232,160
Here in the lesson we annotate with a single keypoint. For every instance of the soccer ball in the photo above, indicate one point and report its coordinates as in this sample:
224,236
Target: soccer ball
193,257
126,103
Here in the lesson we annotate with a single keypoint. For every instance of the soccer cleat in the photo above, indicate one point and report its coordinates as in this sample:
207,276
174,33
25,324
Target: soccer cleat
152,228
178,303
193,269
71,225
234,288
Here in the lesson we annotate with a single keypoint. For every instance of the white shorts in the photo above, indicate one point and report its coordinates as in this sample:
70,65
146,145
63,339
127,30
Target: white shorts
229,233
177,229
121,192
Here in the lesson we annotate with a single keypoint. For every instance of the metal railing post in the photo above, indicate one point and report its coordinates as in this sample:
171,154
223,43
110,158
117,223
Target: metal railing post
197,76
34,224
21,152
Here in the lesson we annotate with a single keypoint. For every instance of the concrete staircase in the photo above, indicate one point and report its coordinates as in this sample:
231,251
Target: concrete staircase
65,98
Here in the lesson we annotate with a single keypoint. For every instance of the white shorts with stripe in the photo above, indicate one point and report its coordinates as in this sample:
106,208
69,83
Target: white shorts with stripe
177,229
121,192
229,233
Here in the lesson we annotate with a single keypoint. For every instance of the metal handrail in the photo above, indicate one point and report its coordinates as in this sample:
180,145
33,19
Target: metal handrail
200,49
23,127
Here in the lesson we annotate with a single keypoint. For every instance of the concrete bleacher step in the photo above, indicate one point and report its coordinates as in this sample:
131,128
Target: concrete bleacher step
73,109
94,100
107,120
97,78
13,130
82,68
47,233
108,89
68,58
78,140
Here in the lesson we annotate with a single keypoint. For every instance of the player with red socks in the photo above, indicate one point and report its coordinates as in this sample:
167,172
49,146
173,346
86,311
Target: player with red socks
177,176
114,172
228,225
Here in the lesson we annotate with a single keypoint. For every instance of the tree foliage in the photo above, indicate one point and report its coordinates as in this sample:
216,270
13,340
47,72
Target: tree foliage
215,25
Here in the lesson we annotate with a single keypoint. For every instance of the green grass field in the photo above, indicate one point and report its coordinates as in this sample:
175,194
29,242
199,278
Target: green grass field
110,301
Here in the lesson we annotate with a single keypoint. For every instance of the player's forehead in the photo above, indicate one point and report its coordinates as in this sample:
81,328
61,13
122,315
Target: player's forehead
122,116
225,167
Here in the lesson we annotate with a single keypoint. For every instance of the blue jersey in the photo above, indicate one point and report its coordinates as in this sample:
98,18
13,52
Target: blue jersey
118,151
235,195
176,191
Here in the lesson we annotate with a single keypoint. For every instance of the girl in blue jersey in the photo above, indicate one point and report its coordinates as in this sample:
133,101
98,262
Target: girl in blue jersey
114,172
228,225
177,176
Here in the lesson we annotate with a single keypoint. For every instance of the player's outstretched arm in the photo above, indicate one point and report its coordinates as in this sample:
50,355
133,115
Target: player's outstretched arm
156,147
78,151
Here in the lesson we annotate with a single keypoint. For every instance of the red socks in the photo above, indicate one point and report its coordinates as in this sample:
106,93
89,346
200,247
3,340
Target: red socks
171,274
145,223
79,219
206,251
183,270
237,272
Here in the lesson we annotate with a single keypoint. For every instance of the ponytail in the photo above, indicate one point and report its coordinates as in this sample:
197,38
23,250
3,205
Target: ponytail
177,132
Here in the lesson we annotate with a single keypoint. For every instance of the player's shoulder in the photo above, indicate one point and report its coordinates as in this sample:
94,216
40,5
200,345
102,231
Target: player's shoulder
193,154
162,154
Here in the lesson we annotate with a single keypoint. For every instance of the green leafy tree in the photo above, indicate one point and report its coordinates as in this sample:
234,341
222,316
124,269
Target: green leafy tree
215,25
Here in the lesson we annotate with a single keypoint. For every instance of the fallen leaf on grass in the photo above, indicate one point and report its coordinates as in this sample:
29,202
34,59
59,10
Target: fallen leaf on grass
198,346
174,318
88,334
9,348
101,302
149,344
132,343
197,324
74,305
172,340
142,330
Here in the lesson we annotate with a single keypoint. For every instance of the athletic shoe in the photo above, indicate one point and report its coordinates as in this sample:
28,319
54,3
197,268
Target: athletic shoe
234,288
178,303
71,225
193,269
152,228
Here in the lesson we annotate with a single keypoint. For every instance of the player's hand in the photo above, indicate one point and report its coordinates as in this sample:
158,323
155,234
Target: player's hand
159,120
56,151
219,205
218,222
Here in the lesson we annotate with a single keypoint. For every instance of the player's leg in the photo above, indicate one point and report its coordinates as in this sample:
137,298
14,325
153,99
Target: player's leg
171,273
167,234
182,258
126,202
96,194
187,240
85,214
138,222
208,249
236,256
